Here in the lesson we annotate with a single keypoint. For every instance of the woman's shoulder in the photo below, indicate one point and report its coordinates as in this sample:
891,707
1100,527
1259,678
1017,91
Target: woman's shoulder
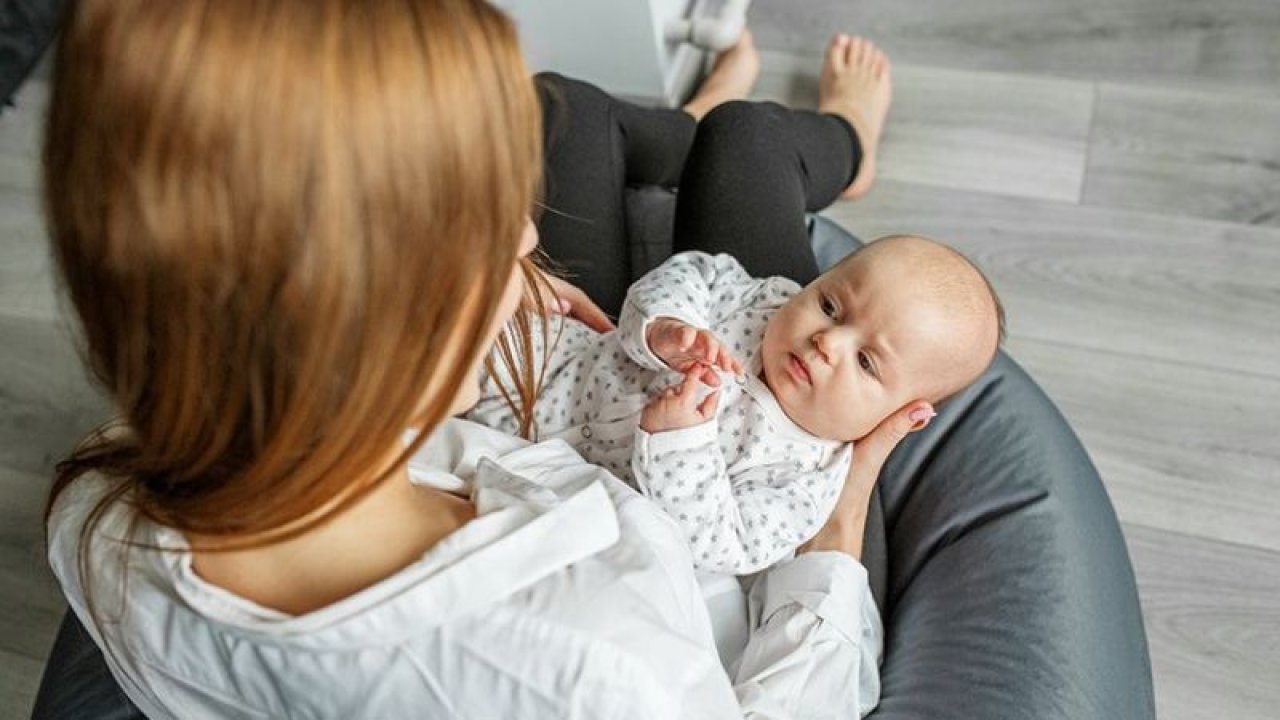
90,521
90,497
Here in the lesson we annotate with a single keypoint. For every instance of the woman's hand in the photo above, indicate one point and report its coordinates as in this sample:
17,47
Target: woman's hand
844,529
568,299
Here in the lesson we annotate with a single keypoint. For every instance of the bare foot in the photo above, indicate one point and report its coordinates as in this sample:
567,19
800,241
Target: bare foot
855,85
731,78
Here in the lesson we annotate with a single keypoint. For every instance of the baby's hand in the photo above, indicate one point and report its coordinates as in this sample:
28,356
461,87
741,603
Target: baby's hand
685,348
677,407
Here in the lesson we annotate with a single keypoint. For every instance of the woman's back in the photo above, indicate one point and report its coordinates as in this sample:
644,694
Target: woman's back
519,608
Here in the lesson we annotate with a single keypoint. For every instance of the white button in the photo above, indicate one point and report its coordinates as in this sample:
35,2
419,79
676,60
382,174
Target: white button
740,379
586,431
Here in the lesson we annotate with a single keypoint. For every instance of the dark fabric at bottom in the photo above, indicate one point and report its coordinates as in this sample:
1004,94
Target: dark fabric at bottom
1001,571
26,29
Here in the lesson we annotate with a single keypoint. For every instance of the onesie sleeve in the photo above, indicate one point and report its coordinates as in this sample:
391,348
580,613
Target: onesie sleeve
739,524
696,288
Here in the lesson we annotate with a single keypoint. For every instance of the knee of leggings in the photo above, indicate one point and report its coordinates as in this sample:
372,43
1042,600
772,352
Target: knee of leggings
575,96
745,120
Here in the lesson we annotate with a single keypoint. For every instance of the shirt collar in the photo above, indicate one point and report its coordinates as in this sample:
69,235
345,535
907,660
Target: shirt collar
524,531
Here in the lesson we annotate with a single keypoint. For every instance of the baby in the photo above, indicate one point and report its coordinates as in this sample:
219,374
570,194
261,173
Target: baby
750,466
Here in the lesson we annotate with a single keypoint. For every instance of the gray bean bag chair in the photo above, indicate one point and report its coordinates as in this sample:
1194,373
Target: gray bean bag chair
993,550
27,27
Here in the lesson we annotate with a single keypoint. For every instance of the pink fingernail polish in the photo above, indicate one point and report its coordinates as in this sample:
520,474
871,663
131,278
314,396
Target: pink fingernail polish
922,414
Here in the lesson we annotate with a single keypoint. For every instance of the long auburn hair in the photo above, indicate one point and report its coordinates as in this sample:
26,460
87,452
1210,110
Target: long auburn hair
285,227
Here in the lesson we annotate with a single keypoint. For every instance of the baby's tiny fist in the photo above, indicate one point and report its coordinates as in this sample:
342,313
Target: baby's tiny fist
678,407
659,414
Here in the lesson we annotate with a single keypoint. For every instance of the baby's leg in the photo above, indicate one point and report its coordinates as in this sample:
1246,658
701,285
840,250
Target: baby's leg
756,168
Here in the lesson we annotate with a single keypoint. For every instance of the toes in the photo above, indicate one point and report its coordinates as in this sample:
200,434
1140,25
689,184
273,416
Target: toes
853,52
864,55
878,55
884,66
876,60
837,51
858,51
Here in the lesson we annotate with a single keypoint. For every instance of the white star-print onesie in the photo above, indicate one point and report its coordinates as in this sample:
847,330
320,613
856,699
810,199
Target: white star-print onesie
746,487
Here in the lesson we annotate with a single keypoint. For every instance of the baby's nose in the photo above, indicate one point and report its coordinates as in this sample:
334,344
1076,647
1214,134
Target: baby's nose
829,343
822,343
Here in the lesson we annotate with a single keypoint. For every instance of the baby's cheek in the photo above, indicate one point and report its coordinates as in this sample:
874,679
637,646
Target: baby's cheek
858,416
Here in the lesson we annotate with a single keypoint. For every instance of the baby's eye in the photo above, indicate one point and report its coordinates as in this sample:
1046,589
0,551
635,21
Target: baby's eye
864,362
827,305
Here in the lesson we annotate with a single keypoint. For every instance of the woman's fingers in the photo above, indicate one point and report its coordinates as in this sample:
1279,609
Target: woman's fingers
583,308
572,301
590,314
871,451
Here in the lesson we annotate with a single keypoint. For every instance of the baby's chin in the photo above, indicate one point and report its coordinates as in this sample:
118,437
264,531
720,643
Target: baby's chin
814,426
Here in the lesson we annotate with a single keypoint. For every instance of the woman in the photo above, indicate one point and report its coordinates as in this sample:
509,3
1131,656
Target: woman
292,230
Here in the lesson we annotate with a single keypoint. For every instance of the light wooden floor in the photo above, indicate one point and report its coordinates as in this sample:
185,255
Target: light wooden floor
1113,164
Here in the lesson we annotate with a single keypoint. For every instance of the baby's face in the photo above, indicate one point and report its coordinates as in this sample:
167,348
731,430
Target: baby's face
860,342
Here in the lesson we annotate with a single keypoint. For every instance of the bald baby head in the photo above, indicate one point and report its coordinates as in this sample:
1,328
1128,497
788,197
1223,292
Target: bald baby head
903,319
959,316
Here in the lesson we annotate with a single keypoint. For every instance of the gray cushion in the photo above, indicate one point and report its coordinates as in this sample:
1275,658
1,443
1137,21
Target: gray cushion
26,29
1000,569
76,682
994,555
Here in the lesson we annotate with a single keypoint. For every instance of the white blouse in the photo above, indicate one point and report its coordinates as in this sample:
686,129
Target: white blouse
568,596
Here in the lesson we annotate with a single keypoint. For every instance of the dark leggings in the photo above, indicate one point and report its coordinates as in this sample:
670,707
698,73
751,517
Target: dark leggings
747,174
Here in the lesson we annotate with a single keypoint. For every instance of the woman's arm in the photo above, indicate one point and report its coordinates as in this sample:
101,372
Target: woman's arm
844,529
816,636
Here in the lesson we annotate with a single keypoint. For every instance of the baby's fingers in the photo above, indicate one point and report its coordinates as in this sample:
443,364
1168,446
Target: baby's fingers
686,338
706,374
715,353
707,408
706,346
687,392
727,362
657,399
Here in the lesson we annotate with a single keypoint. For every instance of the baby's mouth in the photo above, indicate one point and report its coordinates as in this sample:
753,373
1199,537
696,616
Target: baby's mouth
798,369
